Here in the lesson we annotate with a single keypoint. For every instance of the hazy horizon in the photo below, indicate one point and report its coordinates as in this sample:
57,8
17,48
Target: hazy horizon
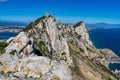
27,22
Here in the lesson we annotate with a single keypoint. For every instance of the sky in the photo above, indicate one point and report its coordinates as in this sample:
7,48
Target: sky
67,11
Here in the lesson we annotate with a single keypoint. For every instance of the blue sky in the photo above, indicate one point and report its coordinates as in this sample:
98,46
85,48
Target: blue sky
68,11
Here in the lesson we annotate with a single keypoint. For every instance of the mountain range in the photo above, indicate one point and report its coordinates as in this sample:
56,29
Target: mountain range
102,26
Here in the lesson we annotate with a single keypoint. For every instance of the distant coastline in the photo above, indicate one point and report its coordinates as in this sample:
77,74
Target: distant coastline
11,28
6,35
2,40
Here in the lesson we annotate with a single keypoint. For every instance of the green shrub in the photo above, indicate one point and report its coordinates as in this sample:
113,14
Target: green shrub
38,20
2,46
79,37
32,24
13,52
28,27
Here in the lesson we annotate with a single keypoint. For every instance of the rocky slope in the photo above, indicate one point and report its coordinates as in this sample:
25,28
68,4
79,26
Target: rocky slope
49,50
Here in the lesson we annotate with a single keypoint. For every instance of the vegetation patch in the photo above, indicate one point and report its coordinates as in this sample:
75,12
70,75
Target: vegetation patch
4,68
55,78
28,70
15,67
30,26
13,52
79,37
75,67
81,50
2,46
42,48
38,20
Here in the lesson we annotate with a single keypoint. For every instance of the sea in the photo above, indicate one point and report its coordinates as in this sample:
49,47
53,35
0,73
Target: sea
6,35
107,38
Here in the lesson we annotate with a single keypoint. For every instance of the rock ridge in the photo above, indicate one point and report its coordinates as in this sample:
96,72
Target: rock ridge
49,50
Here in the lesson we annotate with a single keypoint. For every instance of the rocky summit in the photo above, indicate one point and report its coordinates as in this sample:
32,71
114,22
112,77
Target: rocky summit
49,50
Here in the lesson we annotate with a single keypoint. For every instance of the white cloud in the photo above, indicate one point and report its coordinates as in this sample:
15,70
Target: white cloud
3,0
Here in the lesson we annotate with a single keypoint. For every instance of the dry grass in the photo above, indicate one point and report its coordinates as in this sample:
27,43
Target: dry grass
4,68
15,67
55,78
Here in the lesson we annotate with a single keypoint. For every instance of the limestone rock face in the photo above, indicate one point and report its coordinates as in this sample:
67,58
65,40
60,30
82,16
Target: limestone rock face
81,30
108,52
38,67
10,39
20,45
49,50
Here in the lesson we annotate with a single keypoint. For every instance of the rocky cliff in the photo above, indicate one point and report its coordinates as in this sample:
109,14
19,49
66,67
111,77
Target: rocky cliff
49,50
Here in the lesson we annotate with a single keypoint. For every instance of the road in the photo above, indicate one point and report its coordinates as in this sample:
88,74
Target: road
109,60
